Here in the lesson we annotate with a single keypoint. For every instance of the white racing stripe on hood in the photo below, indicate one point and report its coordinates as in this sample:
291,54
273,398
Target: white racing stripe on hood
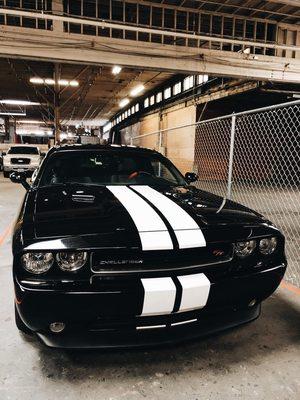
153,232
185,228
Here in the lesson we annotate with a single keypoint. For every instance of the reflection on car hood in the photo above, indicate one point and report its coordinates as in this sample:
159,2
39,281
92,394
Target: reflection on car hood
75,209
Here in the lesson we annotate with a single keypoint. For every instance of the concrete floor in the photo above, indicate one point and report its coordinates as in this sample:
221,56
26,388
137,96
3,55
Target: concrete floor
260,360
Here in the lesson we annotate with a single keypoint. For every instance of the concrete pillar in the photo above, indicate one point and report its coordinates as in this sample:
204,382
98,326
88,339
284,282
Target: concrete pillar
12,136
6,126
56,77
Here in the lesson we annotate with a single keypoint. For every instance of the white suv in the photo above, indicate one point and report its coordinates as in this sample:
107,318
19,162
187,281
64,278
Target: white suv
23,158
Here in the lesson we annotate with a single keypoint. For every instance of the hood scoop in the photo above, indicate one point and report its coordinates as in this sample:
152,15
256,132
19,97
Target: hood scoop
83,198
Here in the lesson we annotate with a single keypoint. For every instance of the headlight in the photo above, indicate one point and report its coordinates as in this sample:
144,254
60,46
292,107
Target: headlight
68,261
37,263
244,249
267,245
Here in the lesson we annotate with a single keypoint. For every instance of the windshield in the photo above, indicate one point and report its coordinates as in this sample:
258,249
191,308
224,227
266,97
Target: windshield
23,150
109,168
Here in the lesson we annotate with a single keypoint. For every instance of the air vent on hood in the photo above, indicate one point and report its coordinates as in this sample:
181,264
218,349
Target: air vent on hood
83,198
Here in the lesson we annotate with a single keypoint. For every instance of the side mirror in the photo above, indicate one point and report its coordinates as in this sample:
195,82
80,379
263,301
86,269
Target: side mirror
3,154
19,177
191,177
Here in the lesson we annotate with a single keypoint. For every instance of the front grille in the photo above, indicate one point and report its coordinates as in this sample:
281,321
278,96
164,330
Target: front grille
20,161
137,261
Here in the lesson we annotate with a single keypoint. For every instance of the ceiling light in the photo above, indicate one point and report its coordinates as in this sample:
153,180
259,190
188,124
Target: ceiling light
137,90
29,121
13,113
247,50
63,82
124,102
19,102
50,81
36,80
116,70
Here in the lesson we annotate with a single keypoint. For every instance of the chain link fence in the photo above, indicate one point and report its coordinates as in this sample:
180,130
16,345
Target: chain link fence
252,158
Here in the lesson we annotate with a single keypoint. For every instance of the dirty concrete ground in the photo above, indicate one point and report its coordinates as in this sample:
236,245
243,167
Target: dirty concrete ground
260,360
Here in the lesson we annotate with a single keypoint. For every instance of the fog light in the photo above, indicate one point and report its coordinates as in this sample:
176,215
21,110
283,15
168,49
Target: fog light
57,327
252,303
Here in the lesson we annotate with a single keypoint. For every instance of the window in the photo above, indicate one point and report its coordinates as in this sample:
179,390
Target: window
129,112
132,110
188,82
202,79
113,167
23,150
107,127
152,100
159,97
146,102
177,88
126,113
137,107
167,93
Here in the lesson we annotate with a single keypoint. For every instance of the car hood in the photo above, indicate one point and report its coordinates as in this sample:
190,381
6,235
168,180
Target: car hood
92,212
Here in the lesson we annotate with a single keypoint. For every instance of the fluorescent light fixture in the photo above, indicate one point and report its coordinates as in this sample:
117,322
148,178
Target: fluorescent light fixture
137,90
29,121
63,82
13,113
49,81
19,103
124,102
247,50
116,69
37,80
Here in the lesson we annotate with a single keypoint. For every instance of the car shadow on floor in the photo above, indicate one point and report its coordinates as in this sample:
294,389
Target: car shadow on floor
277,330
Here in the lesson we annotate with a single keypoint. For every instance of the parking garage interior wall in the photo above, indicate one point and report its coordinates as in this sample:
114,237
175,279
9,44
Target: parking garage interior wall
177,145
180,145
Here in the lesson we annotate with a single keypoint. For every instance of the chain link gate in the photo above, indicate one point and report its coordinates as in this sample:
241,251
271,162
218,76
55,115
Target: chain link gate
251,157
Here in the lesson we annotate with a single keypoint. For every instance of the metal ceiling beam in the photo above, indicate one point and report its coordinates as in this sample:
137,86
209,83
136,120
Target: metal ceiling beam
256,9
292,3
78,49
155,31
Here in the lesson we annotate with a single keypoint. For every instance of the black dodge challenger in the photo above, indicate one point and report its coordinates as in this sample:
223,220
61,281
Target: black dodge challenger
113,247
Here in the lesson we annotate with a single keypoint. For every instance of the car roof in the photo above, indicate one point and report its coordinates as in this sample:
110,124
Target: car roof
78,147
24,145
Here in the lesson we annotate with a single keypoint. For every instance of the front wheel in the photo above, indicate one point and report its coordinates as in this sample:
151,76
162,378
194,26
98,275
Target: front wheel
20,324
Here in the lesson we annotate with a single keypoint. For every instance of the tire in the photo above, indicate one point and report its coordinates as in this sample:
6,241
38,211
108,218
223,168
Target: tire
6,174
20,324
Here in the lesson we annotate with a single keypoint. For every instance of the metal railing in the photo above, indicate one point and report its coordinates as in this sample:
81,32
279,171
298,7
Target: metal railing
155,23
251,157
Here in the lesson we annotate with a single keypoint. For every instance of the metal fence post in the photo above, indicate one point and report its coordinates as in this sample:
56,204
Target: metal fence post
231,153
131,141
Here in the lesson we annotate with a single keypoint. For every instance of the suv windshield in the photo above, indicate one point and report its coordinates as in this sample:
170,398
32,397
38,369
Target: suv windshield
23,150
109,167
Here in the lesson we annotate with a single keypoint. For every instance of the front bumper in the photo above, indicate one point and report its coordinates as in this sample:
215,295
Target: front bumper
104,318
26,168
206,325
